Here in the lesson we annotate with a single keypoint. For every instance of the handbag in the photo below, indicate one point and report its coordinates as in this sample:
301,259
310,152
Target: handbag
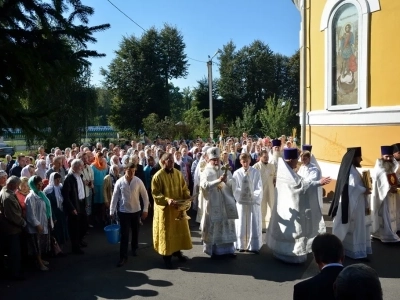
55,246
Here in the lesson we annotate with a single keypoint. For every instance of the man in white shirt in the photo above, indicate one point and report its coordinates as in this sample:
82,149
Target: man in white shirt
127,191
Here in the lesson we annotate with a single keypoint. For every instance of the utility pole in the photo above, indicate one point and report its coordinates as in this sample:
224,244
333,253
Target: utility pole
210,87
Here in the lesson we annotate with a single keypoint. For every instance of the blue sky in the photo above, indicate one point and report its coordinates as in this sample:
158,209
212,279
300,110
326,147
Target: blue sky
205,25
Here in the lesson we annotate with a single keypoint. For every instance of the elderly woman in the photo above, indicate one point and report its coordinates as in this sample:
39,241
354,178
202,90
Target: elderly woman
100,169
38,217
41,168
53,193
182,165
21,193
109,182
28,171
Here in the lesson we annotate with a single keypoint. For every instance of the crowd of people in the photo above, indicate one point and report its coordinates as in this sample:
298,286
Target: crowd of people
239,187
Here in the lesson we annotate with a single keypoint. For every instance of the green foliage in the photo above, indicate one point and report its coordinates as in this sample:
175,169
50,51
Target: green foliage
43,45
247,123
277,118
254,73
138,77
201,98
151,125
195,123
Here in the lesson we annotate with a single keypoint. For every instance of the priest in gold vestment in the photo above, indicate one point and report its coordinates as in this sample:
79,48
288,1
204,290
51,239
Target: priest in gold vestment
170,236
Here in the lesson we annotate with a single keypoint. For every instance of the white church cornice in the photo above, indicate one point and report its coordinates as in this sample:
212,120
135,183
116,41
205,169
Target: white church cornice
367,6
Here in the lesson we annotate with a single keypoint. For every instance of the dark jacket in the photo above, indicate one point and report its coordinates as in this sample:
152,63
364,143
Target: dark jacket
319,286
9,166
70,194
16,171
11,221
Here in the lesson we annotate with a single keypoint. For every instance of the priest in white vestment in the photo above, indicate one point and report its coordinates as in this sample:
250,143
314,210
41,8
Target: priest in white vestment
219,213
296,218
248,192
267,172
349,208
275,153
314,162
396,155
197,198
384,197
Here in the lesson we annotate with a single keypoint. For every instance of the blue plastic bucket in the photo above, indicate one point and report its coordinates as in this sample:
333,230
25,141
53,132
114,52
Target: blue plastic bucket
113,233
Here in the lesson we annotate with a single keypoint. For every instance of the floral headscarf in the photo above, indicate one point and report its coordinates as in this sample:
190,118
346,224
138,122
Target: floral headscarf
41,195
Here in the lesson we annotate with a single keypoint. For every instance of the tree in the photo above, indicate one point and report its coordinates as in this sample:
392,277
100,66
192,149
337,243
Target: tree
246,76
43,45
195,122
277,118
201,98
247,123
139,75
177,104
104,99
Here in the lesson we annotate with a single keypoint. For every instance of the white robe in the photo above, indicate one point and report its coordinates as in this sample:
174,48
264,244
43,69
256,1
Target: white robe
312,173
248,226
355,235
398,197
296,217
217,224
267,172
274,158
383,206
197,191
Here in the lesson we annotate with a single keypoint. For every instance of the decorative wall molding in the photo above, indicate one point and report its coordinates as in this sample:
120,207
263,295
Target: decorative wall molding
369,5
385,115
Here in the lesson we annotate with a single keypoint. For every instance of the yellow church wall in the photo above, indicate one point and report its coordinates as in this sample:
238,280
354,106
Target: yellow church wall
315,56
330,143
331,137
384,58
384,55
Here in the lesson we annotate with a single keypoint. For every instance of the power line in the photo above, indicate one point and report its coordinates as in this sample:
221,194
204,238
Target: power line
202,61
126,15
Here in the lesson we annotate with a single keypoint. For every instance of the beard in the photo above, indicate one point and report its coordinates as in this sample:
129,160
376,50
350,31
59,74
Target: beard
387,165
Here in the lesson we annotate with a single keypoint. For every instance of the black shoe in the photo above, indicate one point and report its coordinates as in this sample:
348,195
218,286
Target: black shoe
217,257
134,253
78,251
167,262
122,262
168,265
180,256
242,250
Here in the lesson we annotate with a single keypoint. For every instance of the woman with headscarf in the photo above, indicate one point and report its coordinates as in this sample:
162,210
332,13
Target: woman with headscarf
109,182
21,193
39,221
28,171
41,168
53,193
100,169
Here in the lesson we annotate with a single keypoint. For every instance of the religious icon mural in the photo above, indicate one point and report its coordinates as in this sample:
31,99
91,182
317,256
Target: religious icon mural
345,56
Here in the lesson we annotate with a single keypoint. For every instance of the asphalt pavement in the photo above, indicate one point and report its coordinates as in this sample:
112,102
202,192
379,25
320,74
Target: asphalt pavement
94,275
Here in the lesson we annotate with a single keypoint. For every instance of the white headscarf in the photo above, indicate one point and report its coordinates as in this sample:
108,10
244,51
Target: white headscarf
57,190
40,169
25,172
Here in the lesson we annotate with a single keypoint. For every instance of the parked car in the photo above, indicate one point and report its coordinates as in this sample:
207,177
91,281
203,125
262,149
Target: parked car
4,150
